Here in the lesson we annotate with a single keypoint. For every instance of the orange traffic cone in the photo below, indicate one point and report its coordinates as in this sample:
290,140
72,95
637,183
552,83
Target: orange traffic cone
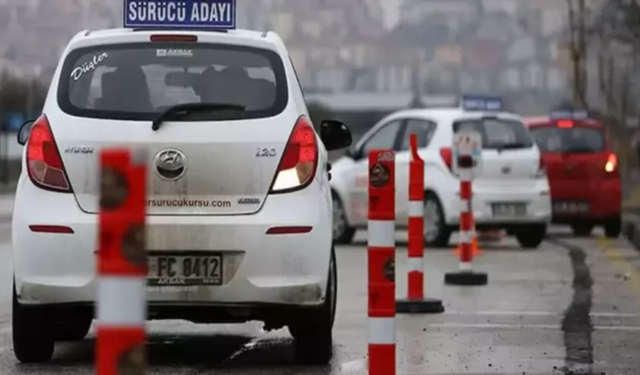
475,249
474,246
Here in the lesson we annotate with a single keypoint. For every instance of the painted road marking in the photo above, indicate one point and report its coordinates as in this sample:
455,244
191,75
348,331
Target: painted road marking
525,326
356,366
537,313
359,365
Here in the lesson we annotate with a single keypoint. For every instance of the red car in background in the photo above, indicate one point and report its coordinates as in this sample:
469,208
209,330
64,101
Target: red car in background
583,172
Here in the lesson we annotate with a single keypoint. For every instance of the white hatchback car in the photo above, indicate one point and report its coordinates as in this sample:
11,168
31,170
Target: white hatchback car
250,187
510,192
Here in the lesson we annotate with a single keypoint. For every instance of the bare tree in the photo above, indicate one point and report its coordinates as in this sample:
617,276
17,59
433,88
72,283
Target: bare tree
577,22
617,48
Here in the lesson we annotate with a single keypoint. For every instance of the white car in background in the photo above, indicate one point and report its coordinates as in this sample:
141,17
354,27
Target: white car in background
511,191
238,196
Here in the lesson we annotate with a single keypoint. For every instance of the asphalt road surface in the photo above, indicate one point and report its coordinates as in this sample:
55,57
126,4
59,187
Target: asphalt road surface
570,307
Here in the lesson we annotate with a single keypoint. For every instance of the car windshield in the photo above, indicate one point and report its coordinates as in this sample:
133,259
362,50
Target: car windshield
496,133
578,139
140,81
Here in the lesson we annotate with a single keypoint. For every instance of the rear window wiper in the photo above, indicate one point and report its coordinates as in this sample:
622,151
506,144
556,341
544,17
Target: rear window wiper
579,150
512,146
181,110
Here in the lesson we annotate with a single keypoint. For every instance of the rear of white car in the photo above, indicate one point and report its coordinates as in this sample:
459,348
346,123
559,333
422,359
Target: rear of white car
510,189
244,186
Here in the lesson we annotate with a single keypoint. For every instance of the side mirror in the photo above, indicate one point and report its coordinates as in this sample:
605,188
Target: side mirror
335,135
23,133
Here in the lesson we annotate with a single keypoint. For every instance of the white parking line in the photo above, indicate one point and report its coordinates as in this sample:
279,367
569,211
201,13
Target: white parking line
353,366
617,328
526,326
493,326
538,313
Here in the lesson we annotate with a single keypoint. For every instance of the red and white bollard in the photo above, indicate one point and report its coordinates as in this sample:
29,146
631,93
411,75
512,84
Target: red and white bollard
415,301
381,262
475,247
122,265
466,276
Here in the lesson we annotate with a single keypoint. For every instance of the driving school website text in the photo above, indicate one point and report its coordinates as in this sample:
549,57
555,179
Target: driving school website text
187,203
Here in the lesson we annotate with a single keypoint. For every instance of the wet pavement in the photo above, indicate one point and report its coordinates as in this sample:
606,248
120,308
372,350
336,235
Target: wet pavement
570,307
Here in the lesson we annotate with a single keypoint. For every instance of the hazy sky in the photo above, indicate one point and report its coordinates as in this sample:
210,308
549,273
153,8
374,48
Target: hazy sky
391,12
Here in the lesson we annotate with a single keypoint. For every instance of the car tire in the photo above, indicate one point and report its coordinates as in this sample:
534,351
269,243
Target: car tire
613,227
343,233
438,234
532,236
313,329
31,332
582,230
73,327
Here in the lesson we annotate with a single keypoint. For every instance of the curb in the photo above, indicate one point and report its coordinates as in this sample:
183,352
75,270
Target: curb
631,228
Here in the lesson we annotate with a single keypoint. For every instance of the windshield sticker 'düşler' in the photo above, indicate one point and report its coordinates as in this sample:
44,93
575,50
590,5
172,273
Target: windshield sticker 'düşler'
88,66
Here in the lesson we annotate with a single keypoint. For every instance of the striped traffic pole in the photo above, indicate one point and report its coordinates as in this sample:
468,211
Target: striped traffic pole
466,276
122,265
475,247
415,301
381,263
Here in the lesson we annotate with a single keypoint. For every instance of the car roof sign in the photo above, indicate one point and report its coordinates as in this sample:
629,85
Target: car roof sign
180,14
569,114
481,103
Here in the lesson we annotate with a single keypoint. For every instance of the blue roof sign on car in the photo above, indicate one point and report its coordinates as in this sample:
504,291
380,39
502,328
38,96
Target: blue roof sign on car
569,114
180,14
481,103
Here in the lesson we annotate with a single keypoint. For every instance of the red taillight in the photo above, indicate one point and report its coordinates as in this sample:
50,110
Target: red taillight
565,124
163,38
44,164
289,230
298,164
612,163
51,229
447,157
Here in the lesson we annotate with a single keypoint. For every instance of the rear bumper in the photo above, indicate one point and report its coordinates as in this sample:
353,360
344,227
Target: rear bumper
535,197
604,198
258,268
273,314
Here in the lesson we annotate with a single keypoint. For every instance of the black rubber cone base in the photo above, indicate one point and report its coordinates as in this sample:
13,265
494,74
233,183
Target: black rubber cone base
466,278
420,306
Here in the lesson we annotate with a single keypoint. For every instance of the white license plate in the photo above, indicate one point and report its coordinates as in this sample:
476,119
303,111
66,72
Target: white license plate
570,207
184,270
509,209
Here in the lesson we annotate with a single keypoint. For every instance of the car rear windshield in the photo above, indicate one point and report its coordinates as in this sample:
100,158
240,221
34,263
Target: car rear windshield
140,81
578,139
497,133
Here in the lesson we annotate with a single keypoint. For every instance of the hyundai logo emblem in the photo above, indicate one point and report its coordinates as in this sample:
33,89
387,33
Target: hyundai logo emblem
171,164
506,169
